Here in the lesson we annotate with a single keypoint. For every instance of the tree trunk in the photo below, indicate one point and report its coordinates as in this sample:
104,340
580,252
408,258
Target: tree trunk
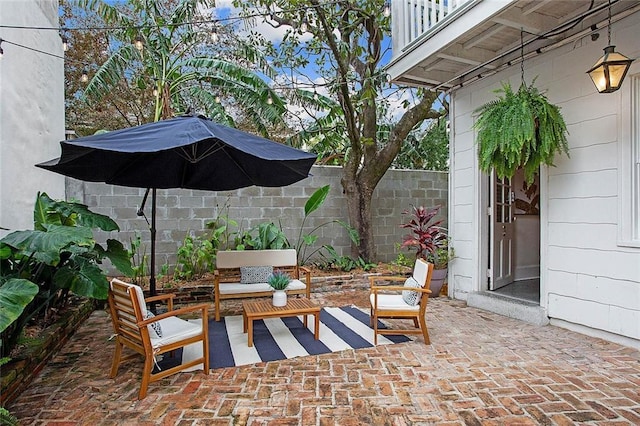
359,180
359,209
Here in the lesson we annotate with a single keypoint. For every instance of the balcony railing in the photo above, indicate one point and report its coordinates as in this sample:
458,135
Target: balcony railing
412,18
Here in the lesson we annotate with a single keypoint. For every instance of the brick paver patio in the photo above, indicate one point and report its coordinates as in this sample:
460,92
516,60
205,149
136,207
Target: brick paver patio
481,369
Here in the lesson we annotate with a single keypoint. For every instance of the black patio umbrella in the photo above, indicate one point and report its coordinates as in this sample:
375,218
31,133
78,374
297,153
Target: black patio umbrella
190,152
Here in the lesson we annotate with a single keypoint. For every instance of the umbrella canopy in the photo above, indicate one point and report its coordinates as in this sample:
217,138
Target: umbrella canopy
190,152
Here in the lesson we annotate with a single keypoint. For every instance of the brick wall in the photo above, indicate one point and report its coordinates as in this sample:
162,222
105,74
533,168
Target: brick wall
183,211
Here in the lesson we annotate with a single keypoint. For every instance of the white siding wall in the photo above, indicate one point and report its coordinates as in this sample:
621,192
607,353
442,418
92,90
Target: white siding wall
31,109
588,279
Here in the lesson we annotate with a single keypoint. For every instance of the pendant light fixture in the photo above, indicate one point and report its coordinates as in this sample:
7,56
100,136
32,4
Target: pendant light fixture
608,73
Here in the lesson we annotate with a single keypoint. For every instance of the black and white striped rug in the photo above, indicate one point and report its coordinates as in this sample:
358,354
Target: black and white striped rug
282,338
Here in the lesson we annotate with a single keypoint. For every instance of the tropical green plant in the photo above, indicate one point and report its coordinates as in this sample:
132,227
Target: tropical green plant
173,58
224,230
306,240
279,280
267,236
426,237
519,130
195,257
139,260
330,259
39,268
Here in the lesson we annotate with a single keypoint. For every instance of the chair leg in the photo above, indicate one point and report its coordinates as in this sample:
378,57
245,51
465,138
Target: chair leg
375,329
205,353
116,358
425,332
146,376
371,317
415,323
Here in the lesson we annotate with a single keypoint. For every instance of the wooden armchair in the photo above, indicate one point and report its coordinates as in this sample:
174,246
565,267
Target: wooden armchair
150,335
408,301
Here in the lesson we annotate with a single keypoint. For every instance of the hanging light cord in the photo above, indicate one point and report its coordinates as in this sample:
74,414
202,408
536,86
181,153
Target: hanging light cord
609,24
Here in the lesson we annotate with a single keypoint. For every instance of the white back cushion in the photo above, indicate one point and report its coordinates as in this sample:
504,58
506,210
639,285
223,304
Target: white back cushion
238,258
139,294
420,270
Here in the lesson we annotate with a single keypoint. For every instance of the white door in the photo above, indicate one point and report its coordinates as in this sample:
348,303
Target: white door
501,262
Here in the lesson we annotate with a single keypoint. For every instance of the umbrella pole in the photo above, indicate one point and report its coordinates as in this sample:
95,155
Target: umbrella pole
152,279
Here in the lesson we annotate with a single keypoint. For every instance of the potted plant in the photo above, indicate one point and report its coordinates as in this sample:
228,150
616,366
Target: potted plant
279,281
519,130
430,242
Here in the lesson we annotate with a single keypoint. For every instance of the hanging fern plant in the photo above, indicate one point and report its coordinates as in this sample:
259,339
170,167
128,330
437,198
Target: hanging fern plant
519,130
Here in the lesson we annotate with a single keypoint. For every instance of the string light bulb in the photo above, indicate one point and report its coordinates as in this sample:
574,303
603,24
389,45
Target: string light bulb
65,44
84,77
214,35
1,51
269,100
139,42
155,92
217,99
387,10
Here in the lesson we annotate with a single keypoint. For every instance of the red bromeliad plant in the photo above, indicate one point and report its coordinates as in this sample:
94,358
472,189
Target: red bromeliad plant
426,237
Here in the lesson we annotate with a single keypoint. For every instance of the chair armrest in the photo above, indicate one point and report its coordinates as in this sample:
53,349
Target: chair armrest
307,278
162,297
204,307
375,278
376,289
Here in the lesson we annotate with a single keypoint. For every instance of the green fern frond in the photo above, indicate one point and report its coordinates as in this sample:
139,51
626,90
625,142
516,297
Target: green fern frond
519,130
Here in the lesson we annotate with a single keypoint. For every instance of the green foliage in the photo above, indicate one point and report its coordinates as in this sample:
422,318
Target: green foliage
225,231
402,259
279,280
7,419
329,259
426,151
59,256
178,65
15,294
304,241
196,257
139,260
268,236
519,129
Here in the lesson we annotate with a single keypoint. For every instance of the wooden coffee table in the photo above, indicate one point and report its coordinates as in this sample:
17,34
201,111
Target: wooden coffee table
262,309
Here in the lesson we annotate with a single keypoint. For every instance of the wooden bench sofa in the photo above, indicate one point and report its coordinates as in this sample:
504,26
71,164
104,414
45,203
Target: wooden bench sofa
227,276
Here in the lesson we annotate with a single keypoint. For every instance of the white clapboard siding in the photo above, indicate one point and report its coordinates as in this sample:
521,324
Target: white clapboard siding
617,265
625,294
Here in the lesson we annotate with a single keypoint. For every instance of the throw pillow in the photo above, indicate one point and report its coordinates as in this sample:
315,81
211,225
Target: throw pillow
411,297
255,274
154,326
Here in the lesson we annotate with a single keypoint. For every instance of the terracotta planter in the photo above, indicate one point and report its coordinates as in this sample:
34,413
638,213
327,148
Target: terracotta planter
438,277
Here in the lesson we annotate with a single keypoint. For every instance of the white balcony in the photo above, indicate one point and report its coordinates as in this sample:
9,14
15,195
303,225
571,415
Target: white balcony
413,18
442,44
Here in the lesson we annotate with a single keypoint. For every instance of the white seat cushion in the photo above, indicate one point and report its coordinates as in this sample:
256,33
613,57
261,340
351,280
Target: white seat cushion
174,329
235,288
392,302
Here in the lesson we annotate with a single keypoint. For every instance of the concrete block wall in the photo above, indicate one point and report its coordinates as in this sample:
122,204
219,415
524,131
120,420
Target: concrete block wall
181,211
